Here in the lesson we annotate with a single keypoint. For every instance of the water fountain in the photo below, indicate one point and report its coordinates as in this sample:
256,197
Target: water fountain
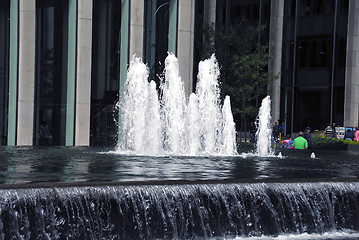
172,125
176,175
264,129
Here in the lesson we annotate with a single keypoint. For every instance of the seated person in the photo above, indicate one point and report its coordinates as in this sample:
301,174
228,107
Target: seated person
300,142
288,143
349,135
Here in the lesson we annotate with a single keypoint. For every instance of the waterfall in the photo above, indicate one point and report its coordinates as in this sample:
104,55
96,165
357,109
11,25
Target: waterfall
179,211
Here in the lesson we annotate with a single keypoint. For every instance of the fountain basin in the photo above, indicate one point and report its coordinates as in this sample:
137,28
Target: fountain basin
87,192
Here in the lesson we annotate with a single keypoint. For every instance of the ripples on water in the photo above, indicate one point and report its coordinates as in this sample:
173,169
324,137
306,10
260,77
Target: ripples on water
74,164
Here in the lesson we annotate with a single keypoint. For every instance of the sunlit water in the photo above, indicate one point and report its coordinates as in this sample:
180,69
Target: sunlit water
245,193
172,124
72,164
264,129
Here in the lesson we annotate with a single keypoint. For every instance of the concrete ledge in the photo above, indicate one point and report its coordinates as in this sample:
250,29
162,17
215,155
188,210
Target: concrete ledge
172,182
353,148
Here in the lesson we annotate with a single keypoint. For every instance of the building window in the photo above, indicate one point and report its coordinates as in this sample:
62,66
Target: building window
156,36
4,67
51,72
317,7
105,71
314,53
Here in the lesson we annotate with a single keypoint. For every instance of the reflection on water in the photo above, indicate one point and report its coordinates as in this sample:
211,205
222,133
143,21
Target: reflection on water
76,164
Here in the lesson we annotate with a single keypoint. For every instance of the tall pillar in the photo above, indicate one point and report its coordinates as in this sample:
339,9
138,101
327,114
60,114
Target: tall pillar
185,43
83,74
26,72
172,31
136,28
275,51
351,97
209,15
13,72
71,73
125,15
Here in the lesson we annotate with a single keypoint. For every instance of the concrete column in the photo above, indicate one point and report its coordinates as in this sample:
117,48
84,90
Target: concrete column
13,72
26,71
209,16
275,51
125,14
83,74
172,25
136,28
351,97
71,73
185,42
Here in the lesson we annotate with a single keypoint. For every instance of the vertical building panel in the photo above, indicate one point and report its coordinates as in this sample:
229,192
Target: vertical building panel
351,99
185,43
275,50
83,74
71,73
13,66
172,31
26,73
125,11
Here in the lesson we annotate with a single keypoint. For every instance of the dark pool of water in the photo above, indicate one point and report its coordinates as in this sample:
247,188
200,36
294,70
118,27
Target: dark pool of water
83,164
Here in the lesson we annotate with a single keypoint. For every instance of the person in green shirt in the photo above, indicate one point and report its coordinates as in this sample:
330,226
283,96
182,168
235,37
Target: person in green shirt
300,142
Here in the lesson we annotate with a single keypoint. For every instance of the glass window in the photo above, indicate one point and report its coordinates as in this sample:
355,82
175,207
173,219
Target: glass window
314,53
156,35
316,7
105,71
51,72
4,67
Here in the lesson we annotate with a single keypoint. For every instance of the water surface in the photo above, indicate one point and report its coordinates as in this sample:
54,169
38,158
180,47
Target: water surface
93,164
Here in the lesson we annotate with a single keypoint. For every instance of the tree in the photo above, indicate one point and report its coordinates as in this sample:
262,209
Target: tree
244,68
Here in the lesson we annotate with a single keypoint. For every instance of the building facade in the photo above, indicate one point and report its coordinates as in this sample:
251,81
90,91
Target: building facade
63,63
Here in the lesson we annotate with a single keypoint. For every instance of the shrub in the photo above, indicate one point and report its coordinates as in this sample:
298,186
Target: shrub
321,141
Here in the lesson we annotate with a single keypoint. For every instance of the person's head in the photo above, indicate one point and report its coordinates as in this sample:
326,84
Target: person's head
349,130
300,134
357,127
288,136
307,129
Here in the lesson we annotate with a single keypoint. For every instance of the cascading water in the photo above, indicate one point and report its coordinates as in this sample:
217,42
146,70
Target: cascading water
170,125
264,130
180,211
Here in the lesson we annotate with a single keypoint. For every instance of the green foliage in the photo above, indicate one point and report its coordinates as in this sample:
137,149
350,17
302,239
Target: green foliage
350,142
324,141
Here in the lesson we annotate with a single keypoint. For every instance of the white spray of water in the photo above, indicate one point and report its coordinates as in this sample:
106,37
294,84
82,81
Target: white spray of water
134,107
264,132
229,129
192,134
312,155
152,126
154,133
173,105
209,110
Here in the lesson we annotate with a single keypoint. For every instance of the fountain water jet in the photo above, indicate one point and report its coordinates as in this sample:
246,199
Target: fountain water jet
264,132
169,125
